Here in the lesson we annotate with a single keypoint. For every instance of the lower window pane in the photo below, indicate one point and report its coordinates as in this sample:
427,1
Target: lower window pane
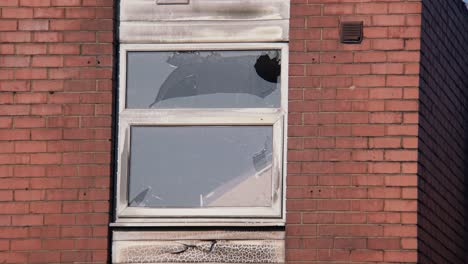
201,166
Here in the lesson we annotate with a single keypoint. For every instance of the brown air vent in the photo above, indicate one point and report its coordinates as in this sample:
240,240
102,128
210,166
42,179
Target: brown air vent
351,32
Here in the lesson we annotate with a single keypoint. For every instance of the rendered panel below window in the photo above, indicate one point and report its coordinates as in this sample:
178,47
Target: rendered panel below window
203,79
200,166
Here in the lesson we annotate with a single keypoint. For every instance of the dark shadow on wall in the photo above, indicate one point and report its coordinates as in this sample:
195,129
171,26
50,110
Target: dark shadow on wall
114,135
466,181
443,134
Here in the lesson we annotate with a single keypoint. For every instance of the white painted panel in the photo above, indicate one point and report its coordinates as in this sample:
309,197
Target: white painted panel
200,235
149,10
204,31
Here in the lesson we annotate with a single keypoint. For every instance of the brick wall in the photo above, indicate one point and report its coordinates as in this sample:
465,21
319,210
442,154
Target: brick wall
443,132
352,184
55,130
353,134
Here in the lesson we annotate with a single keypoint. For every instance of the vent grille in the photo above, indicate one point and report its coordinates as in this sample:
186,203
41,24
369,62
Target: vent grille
351,32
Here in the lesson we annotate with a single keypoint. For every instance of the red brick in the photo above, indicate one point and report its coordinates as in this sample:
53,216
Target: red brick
400,256
13,208
372,8
27,244
64,98
297,230
64,49
385,118
409,243
403,206
65,24
7,98
92,219
44,257
387,44
350,230
14,86
30,98
76,256
350,218
30,146
322,22
33,25
403,81
62,122
47,85
401,155
368,130
62,195
17,13
46,134
383,243
47,37
47,61
58,244
49,13
401,180
34,3
6,196
46,158
388,20
6,3
65,2
45,207
353,131
310,10
15,36
397,105
387,68
384,167
17,134
8,25
14,61
29,171
27,220
338,9
46,109
366,255
30,74
405,8
79,37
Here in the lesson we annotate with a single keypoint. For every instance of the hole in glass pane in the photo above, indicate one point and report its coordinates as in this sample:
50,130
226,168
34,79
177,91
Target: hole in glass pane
201,166
203,79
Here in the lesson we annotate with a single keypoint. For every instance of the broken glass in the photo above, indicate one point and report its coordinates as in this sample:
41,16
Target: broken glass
203,79
200,166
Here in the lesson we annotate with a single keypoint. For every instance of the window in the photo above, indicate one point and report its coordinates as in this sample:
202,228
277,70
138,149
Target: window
201,134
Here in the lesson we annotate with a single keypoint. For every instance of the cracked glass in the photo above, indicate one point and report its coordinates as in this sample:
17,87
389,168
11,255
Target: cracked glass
203,79
200,166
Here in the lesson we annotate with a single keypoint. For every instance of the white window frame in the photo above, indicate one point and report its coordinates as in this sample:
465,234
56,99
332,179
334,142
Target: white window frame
275,117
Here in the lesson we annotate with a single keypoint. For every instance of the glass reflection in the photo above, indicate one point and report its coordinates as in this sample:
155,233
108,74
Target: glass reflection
204,79
201,166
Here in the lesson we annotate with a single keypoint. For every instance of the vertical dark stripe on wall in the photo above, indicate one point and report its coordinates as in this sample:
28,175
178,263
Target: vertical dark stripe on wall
443,133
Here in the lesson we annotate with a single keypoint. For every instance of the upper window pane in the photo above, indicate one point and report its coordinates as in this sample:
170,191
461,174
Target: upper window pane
203,79
201,166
